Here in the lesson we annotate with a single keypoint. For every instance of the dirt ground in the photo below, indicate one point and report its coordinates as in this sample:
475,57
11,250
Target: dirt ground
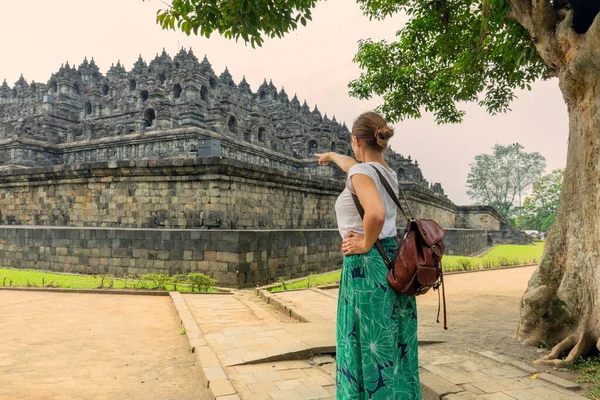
483,313
89,346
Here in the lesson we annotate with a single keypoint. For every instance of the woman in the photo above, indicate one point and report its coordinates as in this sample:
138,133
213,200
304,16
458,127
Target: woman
377,356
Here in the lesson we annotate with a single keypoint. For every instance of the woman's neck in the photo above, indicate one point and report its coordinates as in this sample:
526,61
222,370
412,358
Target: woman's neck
373,156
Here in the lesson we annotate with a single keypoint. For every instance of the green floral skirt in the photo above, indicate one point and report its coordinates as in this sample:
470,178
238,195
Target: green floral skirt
377,347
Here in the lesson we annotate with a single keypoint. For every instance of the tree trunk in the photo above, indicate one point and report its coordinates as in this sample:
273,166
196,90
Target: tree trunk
562,303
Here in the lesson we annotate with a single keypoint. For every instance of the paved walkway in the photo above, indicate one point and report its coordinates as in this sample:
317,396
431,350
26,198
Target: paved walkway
249,337
476,359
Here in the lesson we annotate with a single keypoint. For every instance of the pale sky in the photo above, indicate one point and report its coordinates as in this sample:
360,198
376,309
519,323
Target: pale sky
315,62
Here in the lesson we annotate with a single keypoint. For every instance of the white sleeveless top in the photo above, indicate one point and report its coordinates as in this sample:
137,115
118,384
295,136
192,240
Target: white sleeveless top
347,215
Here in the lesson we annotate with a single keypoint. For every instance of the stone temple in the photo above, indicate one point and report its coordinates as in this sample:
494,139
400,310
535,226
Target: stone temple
172,168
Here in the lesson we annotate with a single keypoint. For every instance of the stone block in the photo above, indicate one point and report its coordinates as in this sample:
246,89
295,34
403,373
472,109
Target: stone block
495,356
544,393
435,387
461,396
214,373
228,257
563,383
490,385
120,253
472,389
314,392
505,371
221,387
525,367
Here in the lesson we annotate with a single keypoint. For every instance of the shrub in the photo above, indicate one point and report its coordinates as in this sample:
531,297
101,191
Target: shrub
200,282
160,281
464,263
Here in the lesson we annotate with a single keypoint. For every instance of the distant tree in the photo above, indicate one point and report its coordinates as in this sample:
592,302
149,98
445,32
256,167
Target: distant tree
540,208
497,179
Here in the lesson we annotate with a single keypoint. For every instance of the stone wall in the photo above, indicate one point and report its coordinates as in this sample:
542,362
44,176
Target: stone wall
234,258
479,217
464,242
211,193
424,204
508,236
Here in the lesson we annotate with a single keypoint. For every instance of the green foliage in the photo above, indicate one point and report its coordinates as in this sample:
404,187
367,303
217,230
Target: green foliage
547,223
200,282
160,281
589,370
496,179
544,345
499,256
234,19
180,279
313,280
309,279
282,283
464,263
106,281
449,51
540,208
29,278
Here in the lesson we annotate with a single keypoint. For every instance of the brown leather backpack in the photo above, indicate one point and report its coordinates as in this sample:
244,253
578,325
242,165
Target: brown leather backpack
417,266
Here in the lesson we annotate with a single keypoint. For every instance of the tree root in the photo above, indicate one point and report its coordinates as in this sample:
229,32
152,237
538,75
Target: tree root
577,345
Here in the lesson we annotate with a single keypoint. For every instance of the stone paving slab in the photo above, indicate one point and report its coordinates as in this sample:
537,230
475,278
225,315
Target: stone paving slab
248,337
282,380
313,306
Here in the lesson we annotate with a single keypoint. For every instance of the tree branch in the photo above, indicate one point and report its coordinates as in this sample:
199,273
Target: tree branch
485,11
592,41
539,19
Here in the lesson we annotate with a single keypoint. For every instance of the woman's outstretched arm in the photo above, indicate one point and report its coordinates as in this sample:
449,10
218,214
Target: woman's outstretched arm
344,162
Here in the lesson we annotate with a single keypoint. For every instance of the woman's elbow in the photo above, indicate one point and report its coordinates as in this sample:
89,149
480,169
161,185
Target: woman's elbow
378,218
381,220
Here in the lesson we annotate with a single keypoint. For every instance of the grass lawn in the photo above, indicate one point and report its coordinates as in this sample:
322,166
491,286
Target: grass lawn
31,278
499,256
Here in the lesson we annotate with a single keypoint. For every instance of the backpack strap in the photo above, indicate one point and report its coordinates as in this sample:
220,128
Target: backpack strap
443,290
390,191
361,212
